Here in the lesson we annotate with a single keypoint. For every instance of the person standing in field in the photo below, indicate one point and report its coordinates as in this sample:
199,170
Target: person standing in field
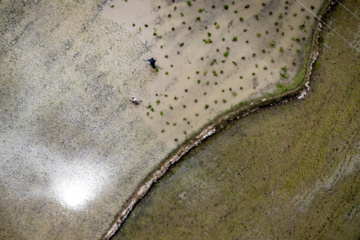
152,62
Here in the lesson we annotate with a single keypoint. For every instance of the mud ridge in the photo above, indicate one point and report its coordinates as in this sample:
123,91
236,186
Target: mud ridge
219,123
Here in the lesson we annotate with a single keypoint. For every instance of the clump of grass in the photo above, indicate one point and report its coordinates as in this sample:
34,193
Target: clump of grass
234,63
299,51
302,26
256,16
181,44
157,102
195,100
216,83
273,44
167,73
224,100
188,3
281,50
161,113
162,131
235,39
226,54
206,106
280,16
281,87
234,94
283,72
214,72
197,19
201,10
171,107
247,6
175,98
226,7
241,19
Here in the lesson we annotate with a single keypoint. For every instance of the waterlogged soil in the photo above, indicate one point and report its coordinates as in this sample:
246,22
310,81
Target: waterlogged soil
213,55
290,171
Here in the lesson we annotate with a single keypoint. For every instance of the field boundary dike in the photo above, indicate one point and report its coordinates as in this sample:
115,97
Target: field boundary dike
241,110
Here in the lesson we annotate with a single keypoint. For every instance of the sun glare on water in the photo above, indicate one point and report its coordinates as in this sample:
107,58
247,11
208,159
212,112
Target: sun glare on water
77,186
75,194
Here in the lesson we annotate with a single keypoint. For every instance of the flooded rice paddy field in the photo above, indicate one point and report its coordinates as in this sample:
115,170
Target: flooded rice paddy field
213,55
290,171
72,147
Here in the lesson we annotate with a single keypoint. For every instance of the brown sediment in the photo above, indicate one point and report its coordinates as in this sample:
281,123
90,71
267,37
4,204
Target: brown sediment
220,122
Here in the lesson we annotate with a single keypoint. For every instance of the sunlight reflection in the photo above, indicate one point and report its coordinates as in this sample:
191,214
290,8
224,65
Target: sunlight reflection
77,185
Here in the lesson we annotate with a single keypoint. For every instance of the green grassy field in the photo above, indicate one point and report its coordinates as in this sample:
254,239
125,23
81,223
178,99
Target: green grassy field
290,171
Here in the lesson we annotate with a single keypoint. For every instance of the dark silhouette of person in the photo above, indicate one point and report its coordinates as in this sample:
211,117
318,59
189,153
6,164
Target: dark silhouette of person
152,62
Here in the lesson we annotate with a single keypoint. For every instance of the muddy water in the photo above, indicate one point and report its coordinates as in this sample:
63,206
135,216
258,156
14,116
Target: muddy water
190,88
288,172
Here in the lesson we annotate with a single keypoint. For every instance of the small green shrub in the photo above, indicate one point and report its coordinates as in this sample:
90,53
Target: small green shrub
226,54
